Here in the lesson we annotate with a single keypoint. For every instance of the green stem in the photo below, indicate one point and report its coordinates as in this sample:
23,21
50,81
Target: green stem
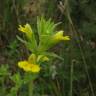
31,88
71,79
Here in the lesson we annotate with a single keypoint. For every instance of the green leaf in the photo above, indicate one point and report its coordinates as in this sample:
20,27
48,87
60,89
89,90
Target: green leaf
53,55
20,39
16,78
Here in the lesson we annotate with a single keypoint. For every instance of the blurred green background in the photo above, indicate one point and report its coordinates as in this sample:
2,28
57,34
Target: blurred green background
76,76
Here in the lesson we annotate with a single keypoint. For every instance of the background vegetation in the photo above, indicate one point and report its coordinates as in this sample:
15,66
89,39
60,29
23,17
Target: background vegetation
76,75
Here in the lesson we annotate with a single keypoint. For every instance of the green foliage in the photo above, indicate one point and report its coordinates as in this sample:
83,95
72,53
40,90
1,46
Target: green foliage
4,71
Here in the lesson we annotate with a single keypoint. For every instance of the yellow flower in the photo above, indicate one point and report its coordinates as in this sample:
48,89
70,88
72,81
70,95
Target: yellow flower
59,37
28,67
26,29
31,65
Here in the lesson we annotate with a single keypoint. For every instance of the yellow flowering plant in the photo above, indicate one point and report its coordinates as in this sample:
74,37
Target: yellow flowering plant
47,37
32,64
30,43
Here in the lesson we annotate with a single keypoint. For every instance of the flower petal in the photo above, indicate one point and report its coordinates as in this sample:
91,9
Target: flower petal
26,29
59,37
22,64
35,68
28,67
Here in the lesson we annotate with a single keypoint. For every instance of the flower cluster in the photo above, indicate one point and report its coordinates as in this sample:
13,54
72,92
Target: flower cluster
28,67
32,64
47,39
